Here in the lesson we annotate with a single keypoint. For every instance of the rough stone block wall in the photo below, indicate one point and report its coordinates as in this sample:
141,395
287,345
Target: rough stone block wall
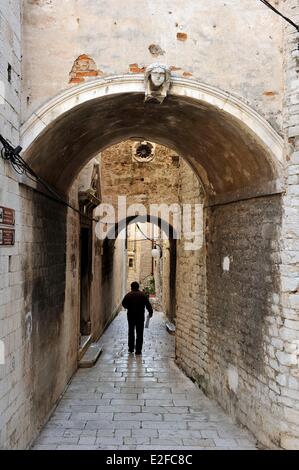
113,279
51,304
154,182
243,286
96,314
287,337
168,278
10,68
40,308
165,262
13,426
228,313
191,320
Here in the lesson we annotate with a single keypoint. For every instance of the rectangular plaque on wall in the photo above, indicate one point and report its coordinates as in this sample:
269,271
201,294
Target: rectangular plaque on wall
7,237
7,216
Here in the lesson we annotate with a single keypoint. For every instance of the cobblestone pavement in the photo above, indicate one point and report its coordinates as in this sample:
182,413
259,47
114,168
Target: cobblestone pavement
143,402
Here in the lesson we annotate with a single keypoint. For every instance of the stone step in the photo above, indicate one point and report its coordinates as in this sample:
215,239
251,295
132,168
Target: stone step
91,355
85,342
170,327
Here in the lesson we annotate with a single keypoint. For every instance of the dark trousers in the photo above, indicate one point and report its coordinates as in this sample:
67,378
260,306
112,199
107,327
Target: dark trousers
138,325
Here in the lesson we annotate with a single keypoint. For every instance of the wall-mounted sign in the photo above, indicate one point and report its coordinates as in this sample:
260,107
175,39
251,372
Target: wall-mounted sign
7,237
7,216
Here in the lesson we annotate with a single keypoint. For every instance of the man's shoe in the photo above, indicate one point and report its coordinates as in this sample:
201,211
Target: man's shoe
130,352
138,353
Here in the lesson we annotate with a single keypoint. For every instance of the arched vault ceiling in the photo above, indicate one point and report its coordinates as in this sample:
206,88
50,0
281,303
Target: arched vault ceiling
226,155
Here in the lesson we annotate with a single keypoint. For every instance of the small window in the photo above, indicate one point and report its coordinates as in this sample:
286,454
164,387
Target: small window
131,263
143,151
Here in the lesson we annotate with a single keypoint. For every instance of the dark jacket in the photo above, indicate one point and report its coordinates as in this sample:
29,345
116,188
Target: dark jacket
135,302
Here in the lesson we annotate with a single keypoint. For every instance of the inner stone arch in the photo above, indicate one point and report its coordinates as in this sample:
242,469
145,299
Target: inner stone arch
168,230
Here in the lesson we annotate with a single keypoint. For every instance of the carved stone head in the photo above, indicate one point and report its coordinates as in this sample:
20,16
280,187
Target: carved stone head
157,82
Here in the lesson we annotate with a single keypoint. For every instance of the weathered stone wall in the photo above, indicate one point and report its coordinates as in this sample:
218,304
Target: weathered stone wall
158,278
13,428
191,319
229,337
108,263
153,182
119,275
166,295
206,41
142,268
96,294
286,336
142,257
237,339
51,304
10,69
41,319
168,277
243,285
40,307
145,260
113,275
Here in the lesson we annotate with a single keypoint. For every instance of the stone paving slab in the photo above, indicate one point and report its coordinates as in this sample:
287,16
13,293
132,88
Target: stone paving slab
135,403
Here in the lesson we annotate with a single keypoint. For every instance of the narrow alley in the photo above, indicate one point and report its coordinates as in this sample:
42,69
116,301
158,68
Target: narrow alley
126,402
155,144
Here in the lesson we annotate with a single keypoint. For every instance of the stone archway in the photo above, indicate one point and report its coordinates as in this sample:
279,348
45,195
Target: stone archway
169,233
196,119
164,225
239,159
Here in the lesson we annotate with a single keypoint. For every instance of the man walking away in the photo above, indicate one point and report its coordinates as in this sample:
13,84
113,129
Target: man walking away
135,302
